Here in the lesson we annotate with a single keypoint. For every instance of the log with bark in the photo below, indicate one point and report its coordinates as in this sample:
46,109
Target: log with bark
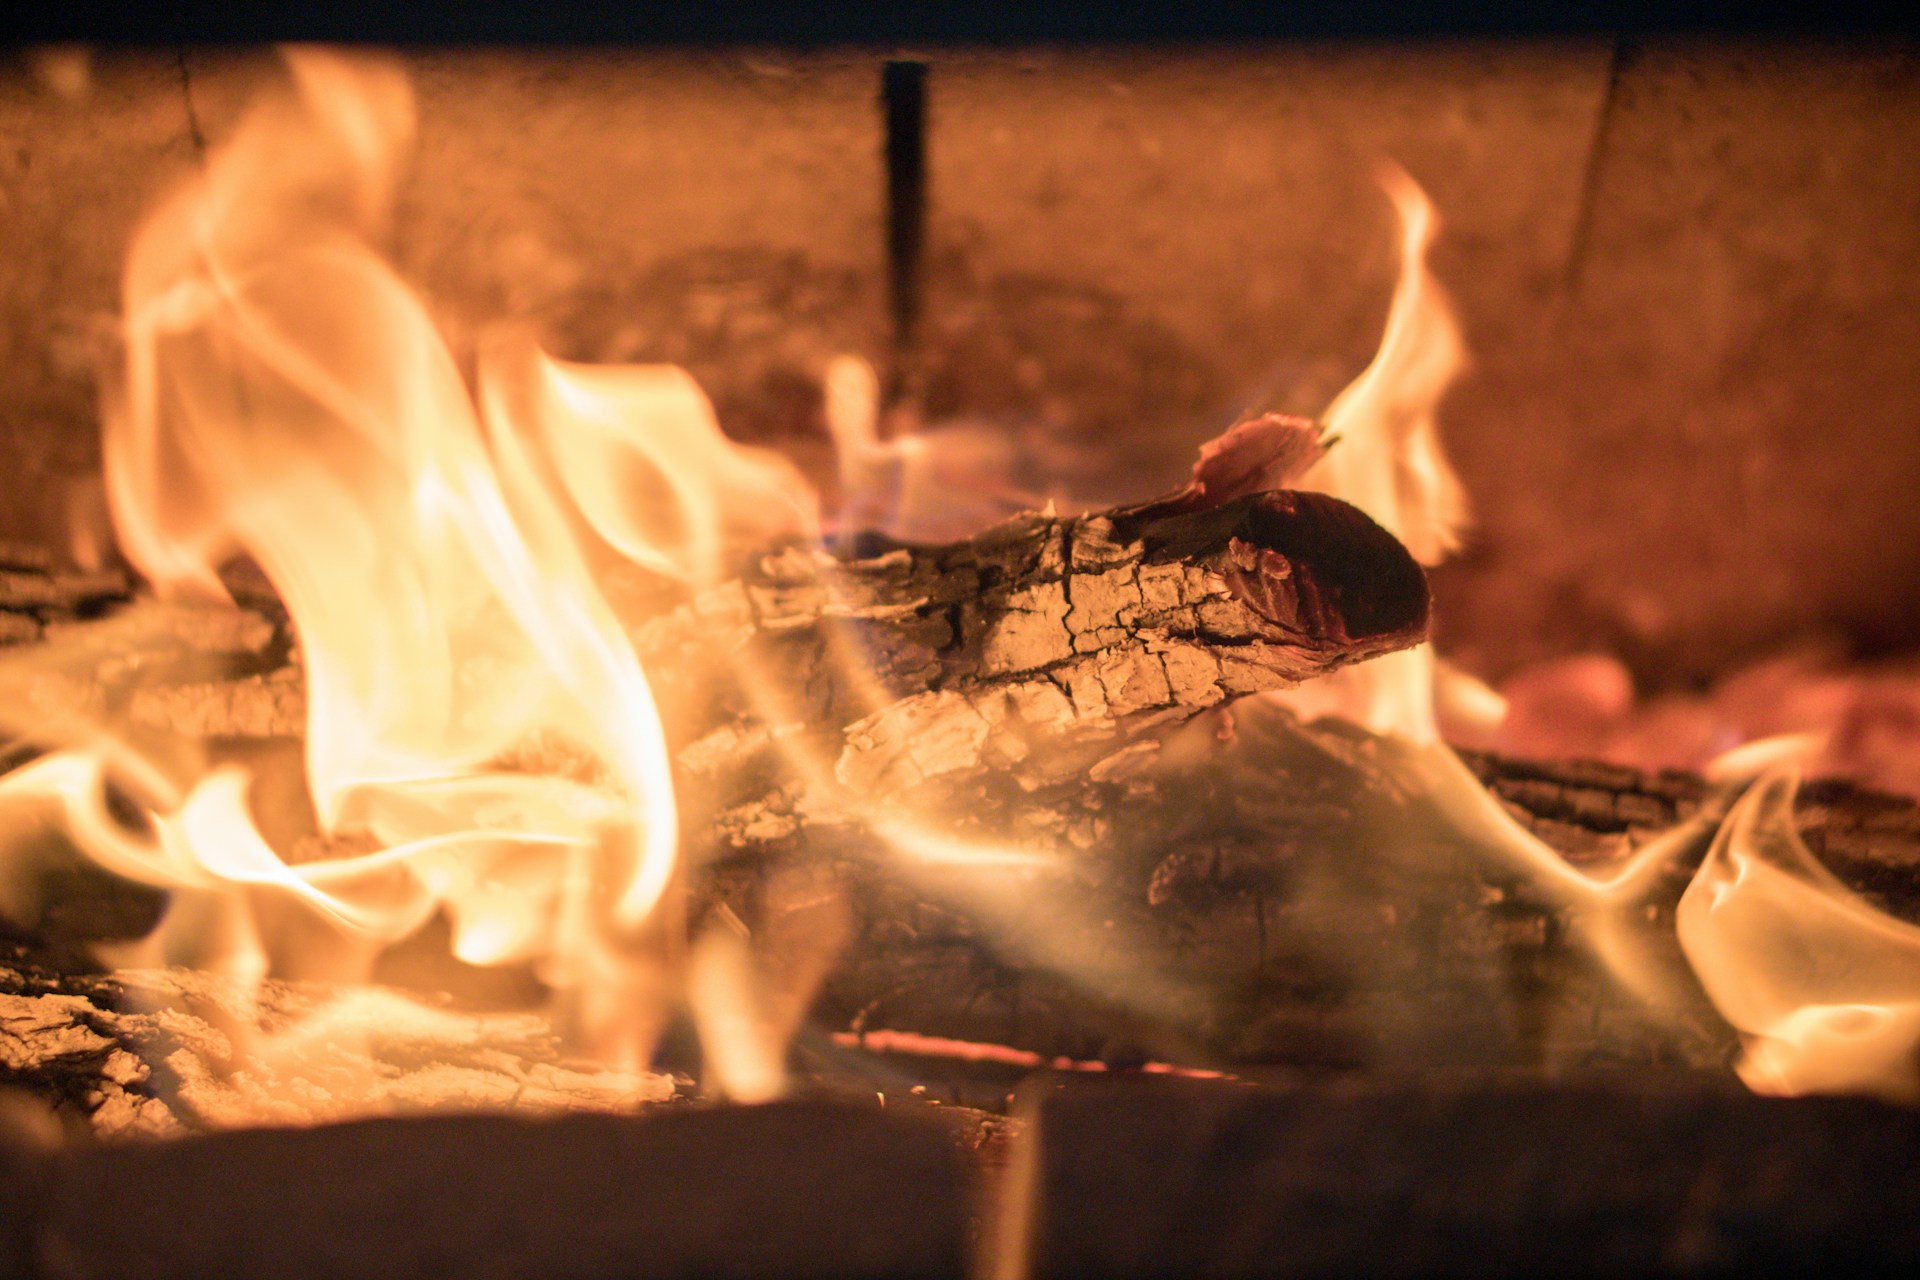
1122,865
894,665
1274,904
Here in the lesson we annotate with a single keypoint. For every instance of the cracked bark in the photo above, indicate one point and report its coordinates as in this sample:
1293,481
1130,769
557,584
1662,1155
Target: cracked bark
923,663
813,689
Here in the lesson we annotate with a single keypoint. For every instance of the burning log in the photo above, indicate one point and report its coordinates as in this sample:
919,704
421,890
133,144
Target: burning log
901,664
1048,627
909,664
909,725
1271,904
895,664
1278,898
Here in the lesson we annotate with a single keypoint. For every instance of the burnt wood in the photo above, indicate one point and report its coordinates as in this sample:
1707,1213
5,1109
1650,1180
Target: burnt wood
1247,890
35,592
890,665
155,1054
1272,903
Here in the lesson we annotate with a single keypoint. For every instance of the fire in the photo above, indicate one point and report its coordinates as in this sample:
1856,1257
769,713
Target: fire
1390,463
480,737
1386,459
286,398
1823,986
482,742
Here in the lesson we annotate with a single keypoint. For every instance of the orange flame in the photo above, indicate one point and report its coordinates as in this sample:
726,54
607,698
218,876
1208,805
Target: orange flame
1823,986
1389,462
287,398
474,708
639,453
1386,459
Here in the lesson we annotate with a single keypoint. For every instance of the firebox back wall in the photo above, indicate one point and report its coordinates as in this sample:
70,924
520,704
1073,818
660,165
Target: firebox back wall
1687,271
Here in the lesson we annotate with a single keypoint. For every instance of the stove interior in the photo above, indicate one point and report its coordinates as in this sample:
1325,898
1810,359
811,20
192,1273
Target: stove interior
521,596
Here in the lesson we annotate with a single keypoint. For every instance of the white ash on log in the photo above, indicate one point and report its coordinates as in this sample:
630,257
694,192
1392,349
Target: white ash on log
1047,629
166,1052
920,662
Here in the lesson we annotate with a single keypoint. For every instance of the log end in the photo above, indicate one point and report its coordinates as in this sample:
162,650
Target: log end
1322,570
1319,565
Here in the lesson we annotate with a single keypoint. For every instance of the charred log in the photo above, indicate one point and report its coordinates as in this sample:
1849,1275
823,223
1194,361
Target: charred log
886,665
1123,866
1273,899
918,663
1252,902
165,1052
36,593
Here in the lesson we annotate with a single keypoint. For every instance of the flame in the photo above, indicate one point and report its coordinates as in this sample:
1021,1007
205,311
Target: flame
477,720
1387,460
639,452
1390,463
475,711
1823,986
937,482
287,398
